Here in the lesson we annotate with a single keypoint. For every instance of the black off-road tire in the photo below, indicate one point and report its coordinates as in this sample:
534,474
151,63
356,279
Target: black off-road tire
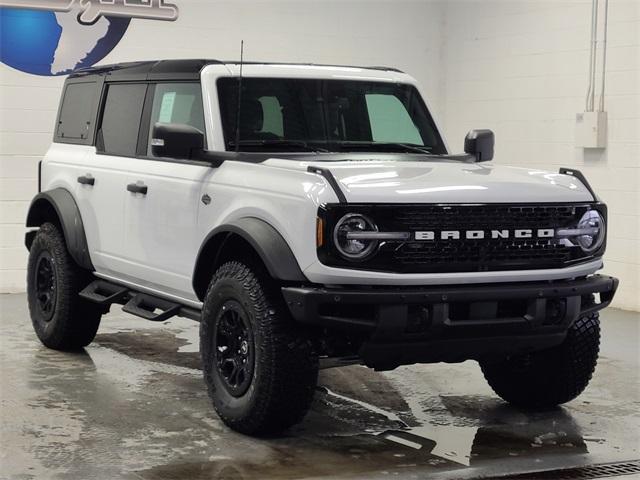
284,371
549,377
71,322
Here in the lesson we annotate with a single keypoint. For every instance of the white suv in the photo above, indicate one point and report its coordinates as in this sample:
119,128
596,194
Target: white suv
309,216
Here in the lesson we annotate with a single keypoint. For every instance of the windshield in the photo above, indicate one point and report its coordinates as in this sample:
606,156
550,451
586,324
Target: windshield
278,114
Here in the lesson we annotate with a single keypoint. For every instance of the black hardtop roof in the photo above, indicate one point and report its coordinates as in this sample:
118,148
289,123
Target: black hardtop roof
187,69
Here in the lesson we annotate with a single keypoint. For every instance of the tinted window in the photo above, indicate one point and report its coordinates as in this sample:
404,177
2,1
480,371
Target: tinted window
76,111
390,121
177,103
337,115
121,118
272,111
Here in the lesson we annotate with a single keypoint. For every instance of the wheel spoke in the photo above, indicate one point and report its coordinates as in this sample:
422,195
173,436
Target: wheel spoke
234,348
241,375
47,301
227,328
45,284
233,375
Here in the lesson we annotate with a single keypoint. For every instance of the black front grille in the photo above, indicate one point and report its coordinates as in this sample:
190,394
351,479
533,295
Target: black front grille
470,217
517,251
462,255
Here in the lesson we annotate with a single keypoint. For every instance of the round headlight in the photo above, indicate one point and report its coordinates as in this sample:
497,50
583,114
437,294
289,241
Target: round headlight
591,230
346,239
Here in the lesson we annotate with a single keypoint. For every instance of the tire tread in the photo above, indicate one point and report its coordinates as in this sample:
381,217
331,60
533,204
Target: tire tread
75,321
550,377
289,363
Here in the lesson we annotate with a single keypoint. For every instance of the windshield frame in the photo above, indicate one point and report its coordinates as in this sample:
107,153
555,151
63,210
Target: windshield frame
327,145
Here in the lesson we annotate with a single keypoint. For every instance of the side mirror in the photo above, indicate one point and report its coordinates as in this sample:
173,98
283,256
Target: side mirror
479,143
176,140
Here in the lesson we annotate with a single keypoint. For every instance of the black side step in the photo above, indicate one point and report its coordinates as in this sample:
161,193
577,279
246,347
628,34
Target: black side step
145,306
104,293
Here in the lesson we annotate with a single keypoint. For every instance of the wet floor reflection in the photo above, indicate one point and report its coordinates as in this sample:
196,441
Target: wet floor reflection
391,451
133,405
360,423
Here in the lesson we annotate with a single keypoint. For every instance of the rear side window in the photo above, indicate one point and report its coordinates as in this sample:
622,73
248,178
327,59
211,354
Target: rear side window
76,112
121,119
177,103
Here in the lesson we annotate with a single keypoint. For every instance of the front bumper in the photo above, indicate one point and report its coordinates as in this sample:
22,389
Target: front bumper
321,274
451,323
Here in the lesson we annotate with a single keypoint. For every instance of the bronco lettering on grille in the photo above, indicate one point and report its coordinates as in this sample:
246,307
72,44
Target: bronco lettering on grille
482,234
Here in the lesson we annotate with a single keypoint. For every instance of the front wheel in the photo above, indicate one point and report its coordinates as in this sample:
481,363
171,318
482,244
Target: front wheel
260,368
549,377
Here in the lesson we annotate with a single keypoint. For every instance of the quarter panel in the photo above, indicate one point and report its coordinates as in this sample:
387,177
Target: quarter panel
61,167
285,199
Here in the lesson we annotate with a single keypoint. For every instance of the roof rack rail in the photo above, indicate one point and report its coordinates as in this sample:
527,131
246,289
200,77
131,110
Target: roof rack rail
184,68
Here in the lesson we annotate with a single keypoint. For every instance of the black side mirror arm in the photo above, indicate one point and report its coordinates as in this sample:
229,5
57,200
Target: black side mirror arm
215,159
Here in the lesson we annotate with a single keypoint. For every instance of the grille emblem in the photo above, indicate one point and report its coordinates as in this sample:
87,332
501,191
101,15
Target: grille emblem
482,234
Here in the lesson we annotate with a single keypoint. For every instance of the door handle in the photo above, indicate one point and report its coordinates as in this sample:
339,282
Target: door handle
137,188
86,180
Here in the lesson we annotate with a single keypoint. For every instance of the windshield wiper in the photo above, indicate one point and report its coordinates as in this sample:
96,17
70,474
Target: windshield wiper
407,147
276,143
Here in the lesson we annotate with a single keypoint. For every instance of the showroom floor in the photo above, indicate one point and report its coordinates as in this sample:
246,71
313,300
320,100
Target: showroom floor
133,405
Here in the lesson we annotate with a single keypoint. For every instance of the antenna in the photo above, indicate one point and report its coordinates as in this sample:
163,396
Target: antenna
239,98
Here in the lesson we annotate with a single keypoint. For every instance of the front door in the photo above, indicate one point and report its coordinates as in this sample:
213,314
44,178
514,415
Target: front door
161,214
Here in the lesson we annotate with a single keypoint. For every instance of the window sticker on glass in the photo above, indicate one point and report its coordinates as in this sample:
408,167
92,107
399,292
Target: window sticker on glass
166,109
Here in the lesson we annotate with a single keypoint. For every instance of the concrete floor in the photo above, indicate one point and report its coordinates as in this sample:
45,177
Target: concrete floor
133,405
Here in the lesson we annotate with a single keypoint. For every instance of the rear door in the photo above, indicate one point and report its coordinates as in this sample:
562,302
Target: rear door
160,227
101,189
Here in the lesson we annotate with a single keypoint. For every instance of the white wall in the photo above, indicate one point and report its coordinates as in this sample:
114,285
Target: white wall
518,67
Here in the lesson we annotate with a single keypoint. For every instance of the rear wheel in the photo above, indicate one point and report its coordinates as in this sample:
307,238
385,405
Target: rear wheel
549,377
61,319
260,368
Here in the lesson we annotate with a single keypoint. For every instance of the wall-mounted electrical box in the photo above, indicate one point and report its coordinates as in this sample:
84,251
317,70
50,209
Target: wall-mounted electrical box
591,129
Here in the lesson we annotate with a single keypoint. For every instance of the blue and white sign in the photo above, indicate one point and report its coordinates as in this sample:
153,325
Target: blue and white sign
56,37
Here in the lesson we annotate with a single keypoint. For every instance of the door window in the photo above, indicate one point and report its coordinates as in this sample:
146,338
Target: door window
176,103
121,118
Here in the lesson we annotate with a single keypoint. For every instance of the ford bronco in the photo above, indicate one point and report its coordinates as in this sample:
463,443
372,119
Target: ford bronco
309,216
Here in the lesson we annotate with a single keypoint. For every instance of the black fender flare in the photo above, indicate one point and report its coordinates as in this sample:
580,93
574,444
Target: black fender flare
270,246
64,206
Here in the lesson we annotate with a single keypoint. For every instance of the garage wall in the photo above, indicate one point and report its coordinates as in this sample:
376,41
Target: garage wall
520,68
406,35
